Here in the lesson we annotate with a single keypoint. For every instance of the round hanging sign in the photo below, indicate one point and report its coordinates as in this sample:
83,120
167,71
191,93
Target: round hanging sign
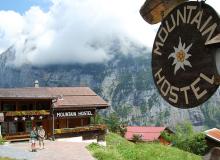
183,67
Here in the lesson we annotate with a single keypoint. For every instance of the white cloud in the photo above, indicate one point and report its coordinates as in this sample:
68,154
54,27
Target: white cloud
66,33
11,26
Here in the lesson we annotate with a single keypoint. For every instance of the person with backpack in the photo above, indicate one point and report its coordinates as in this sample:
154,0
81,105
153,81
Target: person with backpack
33,139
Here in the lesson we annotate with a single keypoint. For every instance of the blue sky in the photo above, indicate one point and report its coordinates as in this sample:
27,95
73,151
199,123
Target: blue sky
23,5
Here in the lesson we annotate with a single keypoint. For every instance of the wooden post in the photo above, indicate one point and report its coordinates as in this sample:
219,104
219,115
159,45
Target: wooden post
8,128
53,124
81,121
67,124
0,130
16,105
35,105
95,117
53,118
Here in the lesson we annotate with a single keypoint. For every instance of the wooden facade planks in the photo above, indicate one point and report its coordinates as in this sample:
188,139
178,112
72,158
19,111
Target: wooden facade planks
71,107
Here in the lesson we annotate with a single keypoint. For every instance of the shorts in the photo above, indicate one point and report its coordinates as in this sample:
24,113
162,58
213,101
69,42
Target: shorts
41,139
33,141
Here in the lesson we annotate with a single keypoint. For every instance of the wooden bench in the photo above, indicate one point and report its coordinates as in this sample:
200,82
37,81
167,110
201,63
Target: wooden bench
15,138
18,140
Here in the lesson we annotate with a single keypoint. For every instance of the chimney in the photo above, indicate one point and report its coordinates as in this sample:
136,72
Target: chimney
36,84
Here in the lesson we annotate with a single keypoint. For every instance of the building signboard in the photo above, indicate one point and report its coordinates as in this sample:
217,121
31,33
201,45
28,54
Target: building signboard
183,66
72,114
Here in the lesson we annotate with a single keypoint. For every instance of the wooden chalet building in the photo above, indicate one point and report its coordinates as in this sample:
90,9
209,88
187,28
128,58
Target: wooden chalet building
147,134
62,111
212,138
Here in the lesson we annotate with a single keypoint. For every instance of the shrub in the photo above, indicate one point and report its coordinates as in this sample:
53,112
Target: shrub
98,119
186,139
122,129
137,138
2,141
113,122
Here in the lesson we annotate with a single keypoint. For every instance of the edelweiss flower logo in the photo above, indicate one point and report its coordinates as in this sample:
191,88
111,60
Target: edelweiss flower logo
180,56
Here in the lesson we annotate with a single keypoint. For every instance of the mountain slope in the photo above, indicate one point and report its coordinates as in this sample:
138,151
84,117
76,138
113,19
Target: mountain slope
125,82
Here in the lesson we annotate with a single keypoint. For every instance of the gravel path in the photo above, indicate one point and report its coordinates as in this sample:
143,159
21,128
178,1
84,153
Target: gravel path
54,150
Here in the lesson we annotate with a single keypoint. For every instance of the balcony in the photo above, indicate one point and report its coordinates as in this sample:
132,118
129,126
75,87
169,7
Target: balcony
27,113
90,128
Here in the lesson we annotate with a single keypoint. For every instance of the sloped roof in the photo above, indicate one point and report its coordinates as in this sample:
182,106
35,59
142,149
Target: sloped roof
17,93
67,97
148,133
83,100
213,133
71,91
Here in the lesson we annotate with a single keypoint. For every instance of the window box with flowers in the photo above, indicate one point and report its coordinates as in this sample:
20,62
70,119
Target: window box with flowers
27,113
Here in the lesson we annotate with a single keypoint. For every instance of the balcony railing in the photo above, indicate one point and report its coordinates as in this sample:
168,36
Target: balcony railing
81,129
27,113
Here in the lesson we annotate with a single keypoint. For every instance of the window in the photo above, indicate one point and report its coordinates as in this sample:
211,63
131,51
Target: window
25,106
12,127
8,106
43,105
20,126
74,122
4,128
28,126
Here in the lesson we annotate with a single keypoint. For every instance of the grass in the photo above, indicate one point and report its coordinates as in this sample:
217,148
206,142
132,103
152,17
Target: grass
2,141
119,148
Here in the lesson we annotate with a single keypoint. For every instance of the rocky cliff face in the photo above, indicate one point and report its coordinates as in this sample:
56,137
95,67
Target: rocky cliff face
125,82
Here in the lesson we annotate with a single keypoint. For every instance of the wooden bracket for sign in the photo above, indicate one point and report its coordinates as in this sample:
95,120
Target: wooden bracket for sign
153,11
